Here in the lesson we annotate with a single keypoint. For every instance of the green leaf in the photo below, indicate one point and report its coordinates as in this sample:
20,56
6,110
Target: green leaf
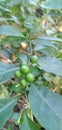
23,58
52,4
46,107
2,19
6,9
6,71
49,51
49,38
6,106
9,30
28,23
51,65
42,43
28,124
12,2
35,70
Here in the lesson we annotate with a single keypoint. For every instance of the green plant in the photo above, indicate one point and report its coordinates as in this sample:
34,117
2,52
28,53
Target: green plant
30,47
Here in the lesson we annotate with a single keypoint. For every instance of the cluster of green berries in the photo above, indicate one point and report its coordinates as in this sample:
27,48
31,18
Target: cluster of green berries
25,72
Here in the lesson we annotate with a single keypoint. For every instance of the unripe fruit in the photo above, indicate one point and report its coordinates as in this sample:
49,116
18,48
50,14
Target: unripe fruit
30,77
18,74
23,83
24,69
34,59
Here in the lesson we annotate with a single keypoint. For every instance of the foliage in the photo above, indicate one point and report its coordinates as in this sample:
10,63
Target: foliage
49,105
53,4
6,106
28,30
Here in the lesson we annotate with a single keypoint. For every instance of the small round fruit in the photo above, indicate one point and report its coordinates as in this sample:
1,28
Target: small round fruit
34,59
17,74
30,77
23,45
23,83
24,69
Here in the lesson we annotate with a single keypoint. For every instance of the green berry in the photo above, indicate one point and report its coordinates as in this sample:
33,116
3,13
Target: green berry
30,77
24,69
34,59
18,74
23,83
